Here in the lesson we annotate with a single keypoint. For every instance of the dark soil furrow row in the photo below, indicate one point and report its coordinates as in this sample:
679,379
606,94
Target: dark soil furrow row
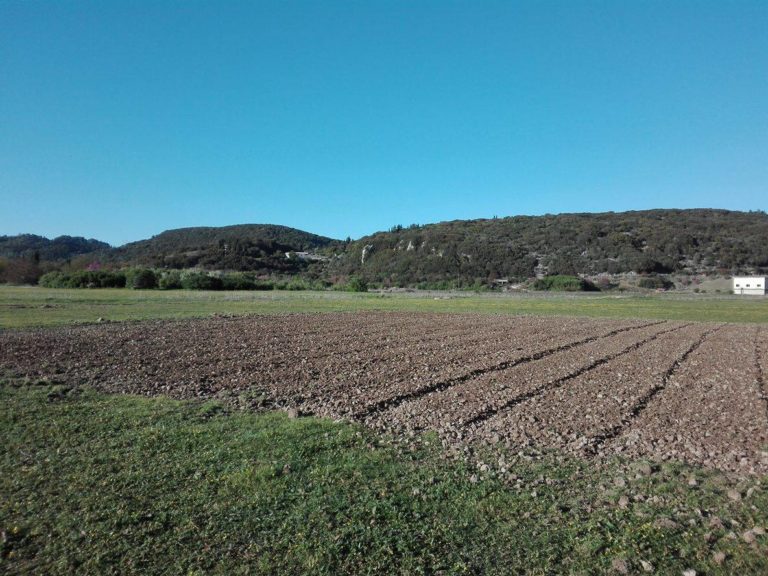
347,387
493,411
395,401
568,416
596,441
421,338
465,336
446,411
710,413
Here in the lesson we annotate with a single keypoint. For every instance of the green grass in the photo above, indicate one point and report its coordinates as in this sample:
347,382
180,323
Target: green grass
32,306
96,484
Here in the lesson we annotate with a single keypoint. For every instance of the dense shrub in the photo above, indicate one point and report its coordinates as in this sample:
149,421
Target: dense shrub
144,278
296,284
84,279
140,278
170,280
238,281
263,285
200,281
299,283
654,283
564,283
51,280
357,284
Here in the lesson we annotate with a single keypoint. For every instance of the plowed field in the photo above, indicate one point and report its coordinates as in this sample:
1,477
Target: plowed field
593,388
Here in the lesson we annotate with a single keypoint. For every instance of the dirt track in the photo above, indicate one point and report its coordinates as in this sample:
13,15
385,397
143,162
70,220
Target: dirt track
693,392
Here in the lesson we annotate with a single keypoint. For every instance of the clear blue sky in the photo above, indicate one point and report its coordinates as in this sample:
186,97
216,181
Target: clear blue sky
122,119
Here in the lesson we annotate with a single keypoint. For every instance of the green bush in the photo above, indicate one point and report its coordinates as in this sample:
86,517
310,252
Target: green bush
51,280
140,279
564,283
200,281
297,284
357,284
83,279
263,285
238,281
654,283
170,280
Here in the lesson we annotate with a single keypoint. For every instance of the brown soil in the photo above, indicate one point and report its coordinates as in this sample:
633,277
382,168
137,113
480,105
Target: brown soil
593,388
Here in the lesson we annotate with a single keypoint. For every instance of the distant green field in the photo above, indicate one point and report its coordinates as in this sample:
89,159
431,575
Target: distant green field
32,306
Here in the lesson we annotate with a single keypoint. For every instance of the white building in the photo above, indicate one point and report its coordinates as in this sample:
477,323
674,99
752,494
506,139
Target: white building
749,285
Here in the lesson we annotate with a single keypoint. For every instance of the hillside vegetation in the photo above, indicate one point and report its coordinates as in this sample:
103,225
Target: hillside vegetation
41,248
252,247
257,248
653,241
25,257
461,253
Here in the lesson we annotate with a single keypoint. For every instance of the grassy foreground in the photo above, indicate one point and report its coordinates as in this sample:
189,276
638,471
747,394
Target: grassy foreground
33,306
95,484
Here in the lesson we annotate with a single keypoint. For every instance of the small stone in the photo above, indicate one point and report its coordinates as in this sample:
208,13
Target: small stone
623,502
734,495
473,478
718,558
748,537
689,572
292,413
647,566
620,565
645,469
665,523
715,522
692,481
620,482
758,530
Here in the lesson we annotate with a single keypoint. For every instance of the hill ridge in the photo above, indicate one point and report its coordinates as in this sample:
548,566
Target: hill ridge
674,240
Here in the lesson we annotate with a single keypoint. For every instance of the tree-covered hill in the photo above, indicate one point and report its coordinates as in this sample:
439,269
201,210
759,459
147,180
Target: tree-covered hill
256,247
39,248
461,252
698,241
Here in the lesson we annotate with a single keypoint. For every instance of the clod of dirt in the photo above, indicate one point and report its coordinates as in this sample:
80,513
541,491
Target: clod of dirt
620,566
665,523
